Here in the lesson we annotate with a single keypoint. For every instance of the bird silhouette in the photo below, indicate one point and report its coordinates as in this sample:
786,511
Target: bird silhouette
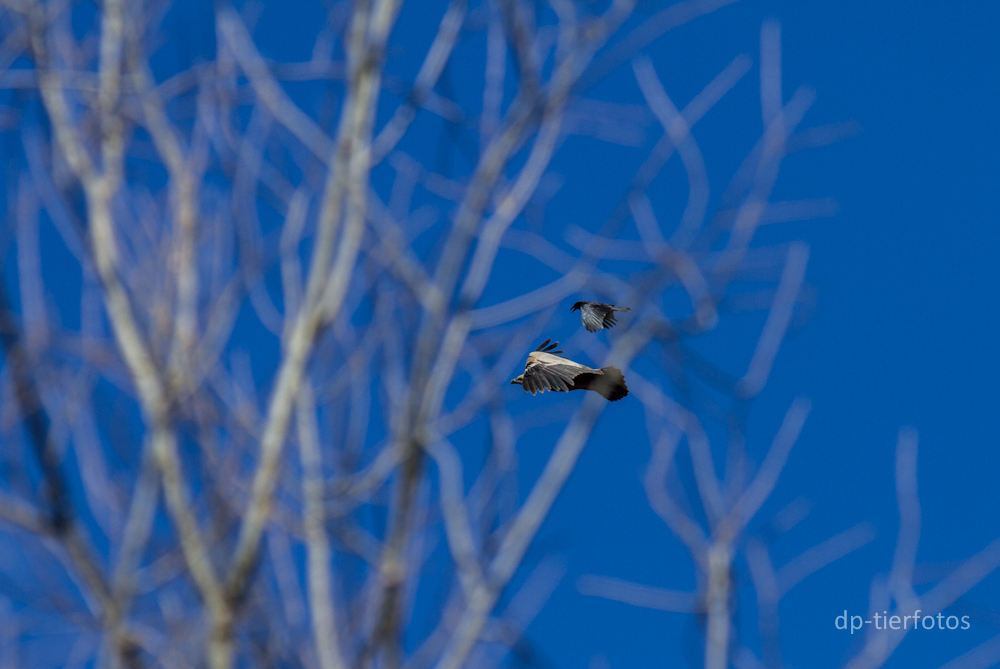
544,370
597,315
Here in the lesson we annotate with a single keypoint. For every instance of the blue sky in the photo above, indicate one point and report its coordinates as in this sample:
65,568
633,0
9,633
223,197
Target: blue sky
904,333
903,330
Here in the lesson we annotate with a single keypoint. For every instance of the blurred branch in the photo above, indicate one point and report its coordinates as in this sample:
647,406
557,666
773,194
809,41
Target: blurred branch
645,34
183,175
529,518
817,557
60,520
905,555
985,655
687,148
100,189
346,179
456,520
763,483
643,596
270,92
778,318
881,644
325,629
430,71
768,595
230,286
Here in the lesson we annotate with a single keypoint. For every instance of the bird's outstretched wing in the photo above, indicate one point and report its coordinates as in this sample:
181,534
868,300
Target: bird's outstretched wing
609,319
545,347
539,376
544,370
595,316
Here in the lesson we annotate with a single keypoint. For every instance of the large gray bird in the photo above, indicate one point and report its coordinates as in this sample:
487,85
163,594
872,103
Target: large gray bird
597,315
547,371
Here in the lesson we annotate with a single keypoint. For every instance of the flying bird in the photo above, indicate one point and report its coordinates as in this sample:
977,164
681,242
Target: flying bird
545,370
597,315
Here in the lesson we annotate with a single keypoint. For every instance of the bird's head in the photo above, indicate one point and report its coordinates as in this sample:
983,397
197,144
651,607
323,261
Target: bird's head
576,307
518,381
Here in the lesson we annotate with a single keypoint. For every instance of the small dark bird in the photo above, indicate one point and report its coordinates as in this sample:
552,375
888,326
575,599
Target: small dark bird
597,315
545,370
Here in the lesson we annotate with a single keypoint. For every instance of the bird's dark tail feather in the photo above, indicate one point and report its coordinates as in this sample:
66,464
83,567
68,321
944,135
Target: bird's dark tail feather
611,385
621,308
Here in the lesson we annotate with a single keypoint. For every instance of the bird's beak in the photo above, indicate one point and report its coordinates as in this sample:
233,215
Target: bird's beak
513,382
